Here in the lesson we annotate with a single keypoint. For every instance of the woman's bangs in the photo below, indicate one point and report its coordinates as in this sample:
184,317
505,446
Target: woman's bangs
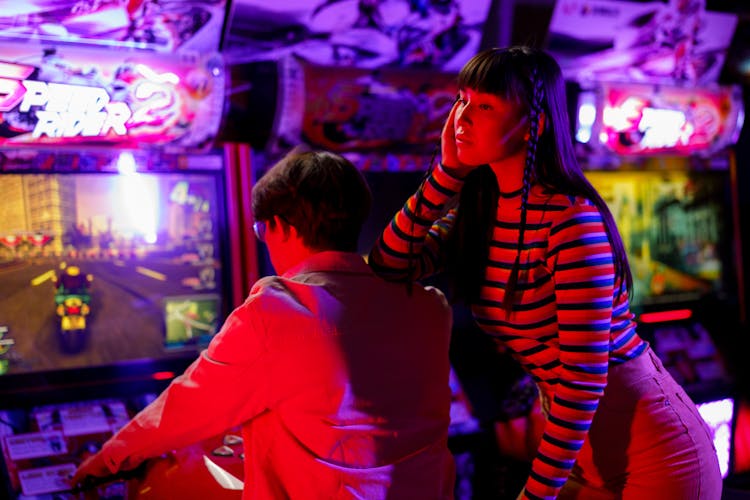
492,74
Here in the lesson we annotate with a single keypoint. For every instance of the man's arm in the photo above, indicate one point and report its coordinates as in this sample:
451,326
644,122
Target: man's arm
221,389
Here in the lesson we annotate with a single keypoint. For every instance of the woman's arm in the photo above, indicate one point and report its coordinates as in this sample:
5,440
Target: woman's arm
580,257
410,247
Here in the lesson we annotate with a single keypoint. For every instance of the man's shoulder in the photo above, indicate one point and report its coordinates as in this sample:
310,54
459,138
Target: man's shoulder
268,288
426,295
435,293
276,292
265,283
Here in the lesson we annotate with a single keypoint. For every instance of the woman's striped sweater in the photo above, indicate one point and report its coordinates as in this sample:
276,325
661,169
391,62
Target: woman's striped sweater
568,324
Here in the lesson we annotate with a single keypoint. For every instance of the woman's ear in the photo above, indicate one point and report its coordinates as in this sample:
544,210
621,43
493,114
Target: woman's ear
540,128
542,122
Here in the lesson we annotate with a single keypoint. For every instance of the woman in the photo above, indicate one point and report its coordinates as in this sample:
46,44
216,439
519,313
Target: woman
529,244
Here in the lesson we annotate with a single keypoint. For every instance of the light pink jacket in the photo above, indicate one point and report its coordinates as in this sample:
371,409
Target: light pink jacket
338,378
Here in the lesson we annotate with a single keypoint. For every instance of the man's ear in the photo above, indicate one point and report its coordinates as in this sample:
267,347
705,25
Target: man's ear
285,227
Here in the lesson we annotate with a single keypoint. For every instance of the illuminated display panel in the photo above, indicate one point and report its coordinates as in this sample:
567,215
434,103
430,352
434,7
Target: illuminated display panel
64,95
629,119
676,227
146,256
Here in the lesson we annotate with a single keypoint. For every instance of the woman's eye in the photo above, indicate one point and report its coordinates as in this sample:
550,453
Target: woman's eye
485,107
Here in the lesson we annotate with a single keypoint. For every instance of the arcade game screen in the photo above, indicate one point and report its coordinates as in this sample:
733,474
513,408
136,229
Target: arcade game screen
676,227
99,269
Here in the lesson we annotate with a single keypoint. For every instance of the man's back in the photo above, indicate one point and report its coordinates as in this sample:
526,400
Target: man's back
358,395
339,379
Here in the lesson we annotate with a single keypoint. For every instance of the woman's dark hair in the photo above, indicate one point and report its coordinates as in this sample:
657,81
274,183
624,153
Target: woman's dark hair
534,79
323,195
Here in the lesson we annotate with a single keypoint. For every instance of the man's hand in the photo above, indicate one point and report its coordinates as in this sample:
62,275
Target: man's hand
92,466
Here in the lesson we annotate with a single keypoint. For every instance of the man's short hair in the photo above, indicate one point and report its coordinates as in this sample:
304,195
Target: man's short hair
323,195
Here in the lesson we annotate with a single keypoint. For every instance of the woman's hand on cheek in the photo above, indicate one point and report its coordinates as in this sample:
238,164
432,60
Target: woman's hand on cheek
448,148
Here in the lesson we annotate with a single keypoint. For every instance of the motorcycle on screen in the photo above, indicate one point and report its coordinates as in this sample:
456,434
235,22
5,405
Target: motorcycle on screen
73,306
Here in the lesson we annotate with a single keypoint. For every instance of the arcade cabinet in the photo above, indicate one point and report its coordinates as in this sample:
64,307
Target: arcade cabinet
661,157
121,243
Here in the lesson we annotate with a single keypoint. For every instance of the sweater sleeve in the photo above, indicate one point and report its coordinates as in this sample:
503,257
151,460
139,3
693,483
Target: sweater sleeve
212,395
581,260
414,238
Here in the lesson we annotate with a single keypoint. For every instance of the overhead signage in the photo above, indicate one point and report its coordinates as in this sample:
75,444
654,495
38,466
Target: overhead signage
641,119
356,109
662,41
154,25
440,36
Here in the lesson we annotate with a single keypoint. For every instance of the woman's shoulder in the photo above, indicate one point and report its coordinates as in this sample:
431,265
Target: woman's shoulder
551,199
557,209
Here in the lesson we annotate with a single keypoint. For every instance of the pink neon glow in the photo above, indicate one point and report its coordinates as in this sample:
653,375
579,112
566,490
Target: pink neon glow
15,71
664,316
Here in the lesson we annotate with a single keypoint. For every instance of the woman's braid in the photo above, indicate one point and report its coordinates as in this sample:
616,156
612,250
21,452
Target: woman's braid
535,111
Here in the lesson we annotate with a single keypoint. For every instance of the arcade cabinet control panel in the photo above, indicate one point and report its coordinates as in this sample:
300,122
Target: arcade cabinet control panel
43,446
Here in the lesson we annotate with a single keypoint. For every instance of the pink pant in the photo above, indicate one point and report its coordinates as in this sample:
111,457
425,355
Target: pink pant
647,441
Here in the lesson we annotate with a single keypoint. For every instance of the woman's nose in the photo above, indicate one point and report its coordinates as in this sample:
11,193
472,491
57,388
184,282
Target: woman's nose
463,115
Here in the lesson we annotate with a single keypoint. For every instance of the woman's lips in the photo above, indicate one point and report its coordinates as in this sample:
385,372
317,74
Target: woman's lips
462,139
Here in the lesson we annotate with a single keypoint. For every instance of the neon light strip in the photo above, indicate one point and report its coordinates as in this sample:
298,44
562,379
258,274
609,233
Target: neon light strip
165,375
664,316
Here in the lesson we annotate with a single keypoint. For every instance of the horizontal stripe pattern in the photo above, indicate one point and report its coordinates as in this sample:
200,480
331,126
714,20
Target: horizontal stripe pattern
569,323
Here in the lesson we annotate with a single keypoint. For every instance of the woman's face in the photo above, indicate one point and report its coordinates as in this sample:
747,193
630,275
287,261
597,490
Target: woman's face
488,128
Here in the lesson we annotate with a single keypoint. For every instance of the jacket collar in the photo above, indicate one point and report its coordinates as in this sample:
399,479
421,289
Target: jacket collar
330,261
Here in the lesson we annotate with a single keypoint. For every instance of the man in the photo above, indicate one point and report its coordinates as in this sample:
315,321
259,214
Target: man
338,378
